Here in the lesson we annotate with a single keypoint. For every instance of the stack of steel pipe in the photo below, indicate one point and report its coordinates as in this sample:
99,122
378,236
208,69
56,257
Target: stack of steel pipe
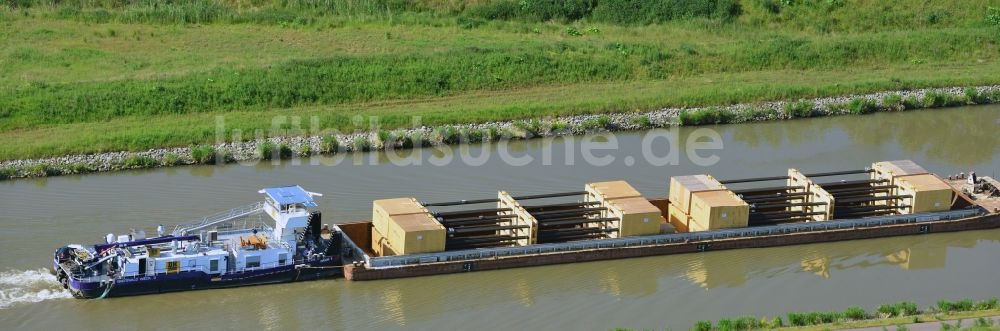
475,228
771,205
569,221
862,198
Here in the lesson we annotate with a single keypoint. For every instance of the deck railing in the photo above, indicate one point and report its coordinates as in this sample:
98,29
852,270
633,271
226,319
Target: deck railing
228,215
472,254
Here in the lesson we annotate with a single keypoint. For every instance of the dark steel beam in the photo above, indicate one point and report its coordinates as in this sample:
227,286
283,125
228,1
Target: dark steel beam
749,180
851,182
561,205
469,229
460,202
839,173
868,199
766,189
574,221
550,195
470,212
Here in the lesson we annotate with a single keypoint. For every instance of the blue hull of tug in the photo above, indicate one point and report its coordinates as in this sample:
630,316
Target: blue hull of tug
196,280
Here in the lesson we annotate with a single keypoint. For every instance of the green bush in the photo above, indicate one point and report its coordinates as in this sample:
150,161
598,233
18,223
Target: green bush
41,170
893,102
725,325
361,144
912,102
860,106
935,99
306,151
265,150
596,123
744,323
284,151
203,154
531,128
643,122
855,313
384,138
447,135
972,95
139,161
702,326
78,168
8,173
903,308
559,126
706,116
418,139
987,304
993,15
329,144
171,159
799,109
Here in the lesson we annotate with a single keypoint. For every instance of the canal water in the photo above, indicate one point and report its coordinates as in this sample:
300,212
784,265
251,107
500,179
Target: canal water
39,215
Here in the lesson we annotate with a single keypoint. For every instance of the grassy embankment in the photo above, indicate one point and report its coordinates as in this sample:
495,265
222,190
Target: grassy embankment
92,76
964,314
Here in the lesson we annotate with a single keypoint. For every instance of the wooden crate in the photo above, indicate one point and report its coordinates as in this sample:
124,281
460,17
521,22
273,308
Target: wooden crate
711,210
637,216
681,188
380,244
928,193
415,233
677,218
383,210
611,190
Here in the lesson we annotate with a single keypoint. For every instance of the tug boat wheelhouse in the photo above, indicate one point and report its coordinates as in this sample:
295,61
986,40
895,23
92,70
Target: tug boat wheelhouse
234,248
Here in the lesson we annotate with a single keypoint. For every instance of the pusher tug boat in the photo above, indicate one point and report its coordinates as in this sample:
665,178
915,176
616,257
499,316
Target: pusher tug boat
229,249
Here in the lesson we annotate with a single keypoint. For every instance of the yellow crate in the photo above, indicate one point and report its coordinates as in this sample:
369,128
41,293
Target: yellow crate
928,193
677,218
638,216
681,188
383,210
416,233
711,210
611,190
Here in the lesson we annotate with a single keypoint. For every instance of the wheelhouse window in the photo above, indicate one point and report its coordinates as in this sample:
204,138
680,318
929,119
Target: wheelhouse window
281,258
253,262
213,266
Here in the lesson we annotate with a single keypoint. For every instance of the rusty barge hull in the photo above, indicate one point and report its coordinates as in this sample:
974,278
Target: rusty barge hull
358,272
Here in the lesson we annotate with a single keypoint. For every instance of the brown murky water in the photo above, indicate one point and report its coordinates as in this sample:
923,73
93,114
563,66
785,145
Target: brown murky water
657,292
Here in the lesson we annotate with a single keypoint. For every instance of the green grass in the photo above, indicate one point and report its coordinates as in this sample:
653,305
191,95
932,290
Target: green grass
80,76
899,313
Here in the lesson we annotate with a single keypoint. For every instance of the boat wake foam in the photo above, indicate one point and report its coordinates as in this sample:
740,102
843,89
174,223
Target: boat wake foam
29,286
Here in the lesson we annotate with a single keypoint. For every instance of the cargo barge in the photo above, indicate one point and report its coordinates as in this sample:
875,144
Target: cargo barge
282,240
611,220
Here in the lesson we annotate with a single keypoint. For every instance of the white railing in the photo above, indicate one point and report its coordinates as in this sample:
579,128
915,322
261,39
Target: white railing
229,215
473,254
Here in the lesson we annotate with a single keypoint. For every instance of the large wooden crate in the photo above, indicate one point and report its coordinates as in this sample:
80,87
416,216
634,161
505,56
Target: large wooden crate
383,210
711,210
611,190
380,244
637,216
676,217
681,188
890,170
928,193
416,233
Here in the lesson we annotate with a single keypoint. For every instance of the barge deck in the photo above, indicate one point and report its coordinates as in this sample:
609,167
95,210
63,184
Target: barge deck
969,212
